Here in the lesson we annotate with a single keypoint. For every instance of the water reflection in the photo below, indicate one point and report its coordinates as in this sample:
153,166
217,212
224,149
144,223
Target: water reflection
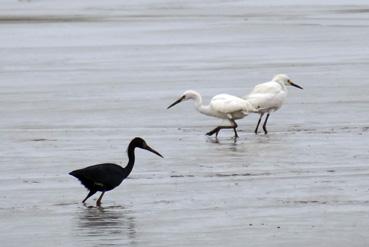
111,226
216,140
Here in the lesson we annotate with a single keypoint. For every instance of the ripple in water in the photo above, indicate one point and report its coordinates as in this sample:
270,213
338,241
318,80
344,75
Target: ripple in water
105,225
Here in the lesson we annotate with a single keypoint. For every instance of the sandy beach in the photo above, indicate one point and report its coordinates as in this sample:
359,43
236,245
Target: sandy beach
79,80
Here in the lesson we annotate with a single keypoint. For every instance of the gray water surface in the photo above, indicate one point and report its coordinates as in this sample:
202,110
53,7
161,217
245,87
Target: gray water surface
79,80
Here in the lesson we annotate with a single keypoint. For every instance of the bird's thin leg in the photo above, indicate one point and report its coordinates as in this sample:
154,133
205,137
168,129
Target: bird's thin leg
89,195
234,128
214,131
257,126
98,202
217,129
264,125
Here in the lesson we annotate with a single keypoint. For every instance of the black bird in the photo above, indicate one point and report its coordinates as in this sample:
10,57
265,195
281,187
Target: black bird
107,176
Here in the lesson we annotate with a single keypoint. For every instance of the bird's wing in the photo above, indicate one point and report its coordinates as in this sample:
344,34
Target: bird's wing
101,175
266,101
266,87
225,103
265,96
261,100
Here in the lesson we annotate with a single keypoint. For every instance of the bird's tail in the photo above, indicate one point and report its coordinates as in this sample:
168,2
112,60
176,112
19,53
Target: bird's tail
88,183
249,108
74,173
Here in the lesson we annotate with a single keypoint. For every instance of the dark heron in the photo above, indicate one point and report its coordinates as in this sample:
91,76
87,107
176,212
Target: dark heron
107,176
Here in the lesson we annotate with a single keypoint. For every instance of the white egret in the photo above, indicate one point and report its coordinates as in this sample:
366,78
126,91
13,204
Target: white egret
269,96
223,106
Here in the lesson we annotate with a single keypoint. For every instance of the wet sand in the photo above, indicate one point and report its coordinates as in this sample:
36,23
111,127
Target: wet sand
78,81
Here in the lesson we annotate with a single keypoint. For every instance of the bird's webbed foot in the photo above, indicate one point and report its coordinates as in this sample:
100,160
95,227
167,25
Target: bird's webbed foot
212,132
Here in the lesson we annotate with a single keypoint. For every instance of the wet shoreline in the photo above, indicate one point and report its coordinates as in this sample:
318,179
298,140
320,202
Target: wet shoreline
80,80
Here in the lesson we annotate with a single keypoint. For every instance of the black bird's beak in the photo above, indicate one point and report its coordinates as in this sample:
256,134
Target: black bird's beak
295,85
152,150
176,102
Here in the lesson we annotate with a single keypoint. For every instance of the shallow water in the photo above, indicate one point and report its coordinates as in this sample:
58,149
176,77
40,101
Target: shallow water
79,80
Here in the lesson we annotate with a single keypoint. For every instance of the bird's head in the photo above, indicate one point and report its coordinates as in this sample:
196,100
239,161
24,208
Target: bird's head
285,80
187,95
140,143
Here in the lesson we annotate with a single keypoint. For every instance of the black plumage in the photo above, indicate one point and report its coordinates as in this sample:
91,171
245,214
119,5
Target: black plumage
107,176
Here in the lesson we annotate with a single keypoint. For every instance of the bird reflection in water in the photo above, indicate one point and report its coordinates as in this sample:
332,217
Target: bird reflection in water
227,141
113,225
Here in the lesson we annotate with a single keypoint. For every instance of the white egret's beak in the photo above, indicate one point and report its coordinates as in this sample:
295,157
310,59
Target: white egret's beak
295,85
177,101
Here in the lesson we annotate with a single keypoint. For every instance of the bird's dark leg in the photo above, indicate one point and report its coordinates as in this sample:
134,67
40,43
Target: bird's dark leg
257,126
89,195
217,129
98,202
234,128
265,123
214,131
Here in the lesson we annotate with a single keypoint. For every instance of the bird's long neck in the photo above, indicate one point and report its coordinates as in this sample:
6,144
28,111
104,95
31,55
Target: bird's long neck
204,109
283,86
131,159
